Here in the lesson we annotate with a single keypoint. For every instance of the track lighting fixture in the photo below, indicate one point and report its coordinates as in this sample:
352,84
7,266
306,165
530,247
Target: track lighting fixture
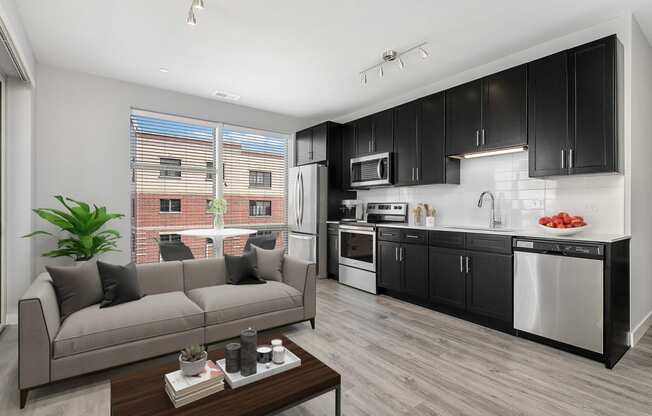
198,4
390,56
191,19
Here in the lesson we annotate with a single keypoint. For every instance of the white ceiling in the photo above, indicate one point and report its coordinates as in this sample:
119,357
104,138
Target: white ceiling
296,57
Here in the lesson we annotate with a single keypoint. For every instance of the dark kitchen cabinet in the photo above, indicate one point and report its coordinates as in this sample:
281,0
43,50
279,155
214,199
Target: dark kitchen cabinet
489,285
548,115
383,131
311,145
348,151
447,277
593,136
333,251
406,157
573,111
434,166
303,147
389,266
319,142
365,135
504,109
487,113
415,270
463,118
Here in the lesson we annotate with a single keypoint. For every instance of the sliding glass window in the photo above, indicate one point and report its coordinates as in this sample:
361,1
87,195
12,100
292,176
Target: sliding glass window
174,176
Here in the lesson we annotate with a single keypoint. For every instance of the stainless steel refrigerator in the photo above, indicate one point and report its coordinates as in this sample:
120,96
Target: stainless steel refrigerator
307,214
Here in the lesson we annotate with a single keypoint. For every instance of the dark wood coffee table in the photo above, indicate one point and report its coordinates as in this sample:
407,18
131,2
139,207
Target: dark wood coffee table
142,393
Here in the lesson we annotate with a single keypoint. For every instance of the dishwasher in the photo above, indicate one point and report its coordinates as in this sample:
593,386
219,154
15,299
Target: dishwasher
558,291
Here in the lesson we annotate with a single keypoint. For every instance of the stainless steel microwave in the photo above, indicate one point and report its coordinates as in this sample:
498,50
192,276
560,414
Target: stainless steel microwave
371,170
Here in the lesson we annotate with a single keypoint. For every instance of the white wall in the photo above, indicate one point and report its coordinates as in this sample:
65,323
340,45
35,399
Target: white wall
520,200
641,176
14,25
82,142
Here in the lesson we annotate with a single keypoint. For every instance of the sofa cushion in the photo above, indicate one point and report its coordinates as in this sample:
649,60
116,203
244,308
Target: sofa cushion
226,303
204,272
162,277
154,315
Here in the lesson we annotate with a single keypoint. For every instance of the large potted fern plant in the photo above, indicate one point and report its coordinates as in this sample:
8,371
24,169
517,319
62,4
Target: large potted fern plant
85,237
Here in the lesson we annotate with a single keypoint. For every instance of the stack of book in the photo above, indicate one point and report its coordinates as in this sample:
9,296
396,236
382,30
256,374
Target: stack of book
183,390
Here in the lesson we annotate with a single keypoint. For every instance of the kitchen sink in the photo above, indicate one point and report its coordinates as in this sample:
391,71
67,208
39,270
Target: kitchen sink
493,230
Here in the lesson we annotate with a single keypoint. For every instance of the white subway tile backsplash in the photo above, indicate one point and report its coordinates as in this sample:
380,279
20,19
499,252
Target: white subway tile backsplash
520,200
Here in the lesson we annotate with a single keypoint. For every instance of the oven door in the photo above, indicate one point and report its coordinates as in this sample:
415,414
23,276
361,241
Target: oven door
358,247
372,170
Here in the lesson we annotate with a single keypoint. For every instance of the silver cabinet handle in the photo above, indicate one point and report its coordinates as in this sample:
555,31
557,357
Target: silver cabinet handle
411,236
396,253
570,158
412,173
483,137
461,265
417,175
563,158
477,138
402,253
467,264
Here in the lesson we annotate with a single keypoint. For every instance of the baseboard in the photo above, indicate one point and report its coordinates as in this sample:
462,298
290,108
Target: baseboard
639,330
12,319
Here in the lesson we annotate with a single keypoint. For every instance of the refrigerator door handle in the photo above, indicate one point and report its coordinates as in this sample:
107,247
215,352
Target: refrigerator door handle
302,197
296,199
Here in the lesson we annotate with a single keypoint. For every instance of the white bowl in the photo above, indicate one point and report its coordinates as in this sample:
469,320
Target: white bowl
562,231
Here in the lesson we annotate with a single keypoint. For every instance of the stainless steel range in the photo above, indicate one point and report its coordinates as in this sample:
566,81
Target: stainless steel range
357,254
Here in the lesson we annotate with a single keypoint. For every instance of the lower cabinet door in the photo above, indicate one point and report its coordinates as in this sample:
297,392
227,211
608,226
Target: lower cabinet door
489,285
415,270
389,266
447,277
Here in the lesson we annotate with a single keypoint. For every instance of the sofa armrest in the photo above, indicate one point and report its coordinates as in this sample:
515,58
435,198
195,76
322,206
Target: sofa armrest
302,276
38,324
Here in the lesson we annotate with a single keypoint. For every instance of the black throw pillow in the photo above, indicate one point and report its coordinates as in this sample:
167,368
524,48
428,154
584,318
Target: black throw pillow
242,270
120,283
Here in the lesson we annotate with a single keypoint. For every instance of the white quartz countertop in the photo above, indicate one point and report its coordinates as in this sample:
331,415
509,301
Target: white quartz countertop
586,235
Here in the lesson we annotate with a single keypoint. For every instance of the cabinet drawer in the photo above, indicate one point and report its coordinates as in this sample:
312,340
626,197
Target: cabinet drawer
389,234
447,239
490,243
414,236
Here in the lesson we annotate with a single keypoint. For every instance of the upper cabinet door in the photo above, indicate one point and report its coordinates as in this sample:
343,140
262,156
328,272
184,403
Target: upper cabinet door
303,147
593,138
365,136
504,116
405,157
463,118
383,131
348,151
548,115
432,139
319,143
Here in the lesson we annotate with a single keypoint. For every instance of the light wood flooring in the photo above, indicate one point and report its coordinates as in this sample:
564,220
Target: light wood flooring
399,359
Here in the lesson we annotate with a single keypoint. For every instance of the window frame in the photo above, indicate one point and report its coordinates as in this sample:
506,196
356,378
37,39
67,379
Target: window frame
169,203
253,204
169,173
260,174
170,237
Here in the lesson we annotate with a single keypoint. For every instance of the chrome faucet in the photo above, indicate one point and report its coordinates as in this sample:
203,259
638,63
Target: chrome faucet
493,222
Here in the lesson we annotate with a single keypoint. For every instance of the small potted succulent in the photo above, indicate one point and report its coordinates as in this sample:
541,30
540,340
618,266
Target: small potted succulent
192,360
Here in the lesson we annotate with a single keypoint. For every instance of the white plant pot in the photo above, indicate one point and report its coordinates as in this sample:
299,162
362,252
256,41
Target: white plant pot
192,368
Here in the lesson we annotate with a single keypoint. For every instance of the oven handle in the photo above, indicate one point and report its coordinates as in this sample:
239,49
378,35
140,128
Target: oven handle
357,230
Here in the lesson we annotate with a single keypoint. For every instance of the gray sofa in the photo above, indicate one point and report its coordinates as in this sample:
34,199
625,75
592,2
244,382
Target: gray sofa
186,303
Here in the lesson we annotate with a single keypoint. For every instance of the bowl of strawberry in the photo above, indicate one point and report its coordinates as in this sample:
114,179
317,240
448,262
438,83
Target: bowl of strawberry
563,224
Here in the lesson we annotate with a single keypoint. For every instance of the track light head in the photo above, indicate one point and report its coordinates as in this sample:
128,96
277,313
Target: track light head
363,78
401,64
198,4
380,71
423,53
191,19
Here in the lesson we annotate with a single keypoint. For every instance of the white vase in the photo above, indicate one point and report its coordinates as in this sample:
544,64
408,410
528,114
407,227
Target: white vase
192,368
218,221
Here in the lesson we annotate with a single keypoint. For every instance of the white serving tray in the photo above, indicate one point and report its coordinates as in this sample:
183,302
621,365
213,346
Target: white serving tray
236,379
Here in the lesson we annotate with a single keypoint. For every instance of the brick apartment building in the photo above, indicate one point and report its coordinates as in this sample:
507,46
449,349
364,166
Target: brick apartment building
174,179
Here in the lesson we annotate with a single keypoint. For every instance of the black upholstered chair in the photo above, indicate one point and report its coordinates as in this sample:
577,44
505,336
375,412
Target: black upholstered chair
174,251
265,241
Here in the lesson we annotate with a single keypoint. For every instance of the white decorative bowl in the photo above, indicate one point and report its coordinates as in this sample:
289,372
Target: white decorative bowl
562,231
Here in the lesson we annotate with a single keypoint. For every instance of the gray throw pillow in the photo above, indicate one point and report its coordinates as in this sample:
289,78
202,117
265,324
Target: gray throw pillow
269,263
76,287
120,283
